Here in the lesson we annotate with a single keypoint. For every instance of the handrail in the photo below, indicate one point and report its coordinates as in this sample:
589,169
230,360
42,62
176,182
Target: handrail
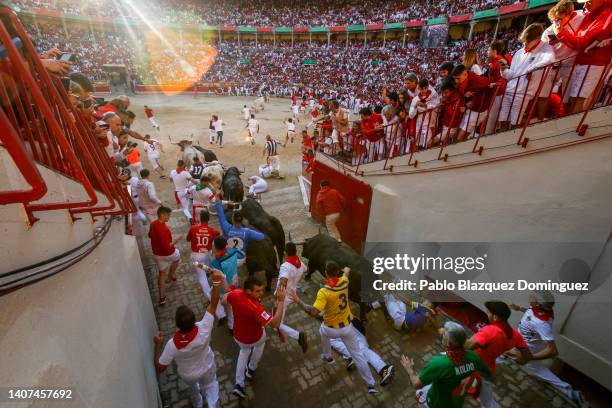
51,130
15,148
538,84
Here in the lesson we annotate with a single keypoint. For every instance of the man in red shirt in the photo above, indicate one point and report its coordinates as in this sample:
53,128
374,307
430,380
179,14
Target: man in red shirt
165,254
474,91
492,341
331,203
149,113
201,237
592,58
250,318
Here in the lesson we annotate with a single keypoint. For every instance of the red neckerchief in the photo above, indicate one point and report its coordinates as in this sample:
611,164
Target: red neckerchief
505,327
181,340
532,48
457,356
542,314
295,261
219,254
179,170
331,282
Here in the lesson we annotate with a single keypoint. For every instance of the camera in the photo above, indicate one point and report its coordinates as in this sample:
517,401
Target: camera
67,57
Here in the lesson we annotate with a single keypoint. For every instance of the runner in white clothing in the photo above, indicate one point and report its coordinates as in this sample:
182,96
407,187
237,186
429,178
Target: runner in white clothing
290,273
290,130
202,196
259,186
247,113
253,127
190,348
378,364
536,327
153,148
181,180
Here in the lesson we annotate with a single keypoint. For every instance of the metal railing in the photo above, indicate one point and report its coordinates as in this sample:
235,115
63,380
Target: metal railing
47,130
530,97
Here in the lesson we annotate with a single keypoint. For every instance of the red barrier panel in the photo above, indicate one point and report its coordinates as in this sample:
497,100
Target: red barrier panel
353,223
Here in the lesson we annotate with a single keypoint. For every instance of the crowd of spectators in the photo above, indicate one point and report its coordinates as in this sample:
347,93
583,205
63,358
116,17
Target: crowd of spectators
271,12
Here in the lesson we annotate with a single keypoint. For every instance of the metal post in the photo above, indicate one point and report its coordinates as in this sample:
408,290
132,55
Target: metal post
273,38
64,25
526,22
238,39
291,38
347,40
220,37
404,38
255,37
328,39
472,24
384,38
365,39
309,38
496,28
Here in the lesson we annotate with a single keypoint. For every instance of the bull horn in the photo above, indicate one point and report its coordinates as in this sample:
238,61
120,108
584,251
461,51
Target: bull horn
290,240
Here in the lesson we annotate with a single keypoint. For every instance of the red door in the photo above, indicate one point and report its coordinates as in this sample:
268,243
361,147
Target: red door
353,223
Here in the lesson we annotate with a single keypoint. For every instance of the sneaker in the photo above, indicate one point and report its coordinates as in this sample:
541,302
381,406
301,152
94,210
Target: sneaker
579,399
328,360
303,341
249,373
386,374
239,391
350,364
372,390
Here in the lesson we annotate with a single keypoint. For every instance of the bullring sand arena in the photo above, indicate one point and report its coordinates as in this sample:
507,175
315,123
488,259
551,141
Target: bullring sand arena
285,376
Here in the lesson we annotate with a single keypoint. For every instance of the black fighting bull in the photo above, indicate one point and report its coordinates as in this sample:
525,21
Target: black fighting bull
258,218
233,188
322,248
209,155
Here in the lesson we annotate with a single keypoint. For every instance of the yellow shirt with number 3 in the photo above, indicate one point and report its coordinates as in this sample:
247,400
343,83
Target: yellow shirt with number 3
333,302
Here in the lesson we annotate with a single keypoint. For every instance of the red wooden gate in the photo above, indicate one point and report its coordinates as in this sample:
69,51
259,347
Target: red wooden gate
353,223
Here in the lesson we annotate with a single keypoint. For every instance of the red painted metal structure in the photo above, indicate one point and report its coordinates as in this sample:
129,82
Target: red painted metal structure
426,130
353,223
40,126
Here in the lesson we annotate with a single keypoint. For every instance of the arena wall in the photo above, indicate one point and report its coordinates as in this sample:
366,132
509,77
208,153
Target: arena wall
89,327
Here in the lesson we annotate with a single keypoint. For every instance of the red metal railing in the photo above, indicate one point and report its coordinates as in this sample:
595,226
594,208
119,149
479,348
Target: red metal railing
530,97
50,131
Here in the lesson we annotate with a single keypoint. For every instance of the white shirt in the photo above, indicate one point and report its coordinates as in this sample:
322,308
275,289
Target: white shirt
476,69
152,149
290,127
195,359
181,180
432,101
218,125
561,50
253,124
293,276
147,197
112,140
201,197
259,182
247,113
133,182
535,331
524,62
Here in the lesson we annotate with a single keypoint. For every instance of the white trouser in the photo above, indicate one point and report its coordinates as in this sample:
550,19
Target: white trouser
421,396
584,80
211,135
153,160
493,114
471,120
184,200
349,338
538,369
486,395
249,354
209,384
153,122
164,262
258,188
135,169
204,258
287,330
396,309
370,355
330,223
275,163
150,212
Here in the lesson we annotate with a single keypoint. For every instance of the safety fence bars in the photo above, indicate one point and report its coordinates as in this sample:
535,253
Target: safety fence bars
545,93
9,138
50,130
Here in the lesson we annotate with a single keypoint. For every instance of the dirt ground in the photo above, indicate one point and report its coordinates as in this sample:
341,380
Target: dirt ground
181,116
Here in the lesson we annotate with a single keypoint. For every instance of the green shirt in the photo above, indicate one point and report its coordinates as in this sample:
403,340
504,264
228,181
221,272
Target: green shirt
444,376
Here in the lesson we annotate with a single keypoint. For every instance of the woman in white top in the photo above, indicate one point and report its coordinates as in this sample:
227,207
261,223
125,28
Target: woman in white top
471,61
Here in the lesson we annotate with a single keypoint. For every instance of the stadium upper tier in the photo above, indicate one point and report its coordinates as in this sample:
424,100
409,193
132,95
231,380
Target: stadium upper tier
275,13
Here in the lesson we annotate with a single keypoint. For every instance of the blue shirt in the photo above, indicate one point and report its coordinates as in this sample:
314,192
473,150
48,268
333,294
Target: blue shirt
228,263
237,237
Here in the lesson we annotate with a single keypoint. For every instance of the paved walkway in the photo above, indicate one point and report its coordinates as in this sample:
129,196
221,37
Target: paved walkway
286,376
